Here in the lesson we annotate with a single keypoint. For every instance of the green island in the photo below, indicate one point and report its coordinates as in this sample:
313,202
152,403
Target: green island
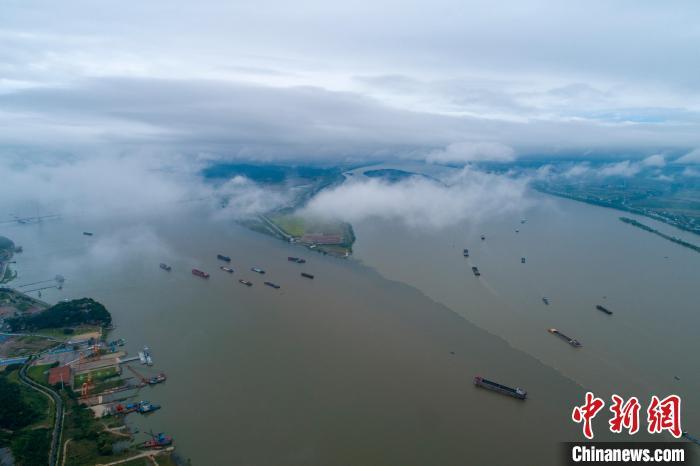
674,239
304,182
51,410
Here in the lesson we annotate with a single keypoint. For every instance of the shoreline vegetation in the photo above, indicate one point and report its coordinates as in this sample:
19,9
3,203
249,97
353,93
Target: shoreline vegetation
684,223
7,250
675,239
45,421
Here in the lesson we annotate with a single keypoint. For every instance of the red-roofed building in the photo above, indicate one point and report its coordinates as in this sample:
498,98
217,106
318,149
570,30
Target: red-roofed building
314,238
60,375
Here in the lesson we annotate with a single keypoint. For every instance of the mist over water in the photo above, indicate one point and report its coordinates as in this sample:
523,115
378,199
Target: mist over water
372,361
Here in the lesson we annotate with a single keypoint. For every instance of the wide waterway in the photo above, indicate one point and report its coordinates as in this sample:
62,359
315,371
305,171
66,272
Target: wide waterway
371,363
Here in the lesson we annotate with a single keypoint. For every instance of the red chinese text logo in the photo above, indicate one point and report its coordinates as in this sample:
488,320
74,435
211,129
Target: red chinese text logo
587,412
665,415
662,415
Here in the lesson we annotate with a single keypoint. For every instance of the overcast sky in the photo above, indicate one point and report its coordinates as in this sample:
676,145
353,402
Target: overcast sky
278,79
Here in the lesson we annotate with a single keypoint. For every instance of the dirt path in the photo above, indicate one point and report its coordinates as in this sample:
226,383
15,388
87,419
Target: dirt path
151,454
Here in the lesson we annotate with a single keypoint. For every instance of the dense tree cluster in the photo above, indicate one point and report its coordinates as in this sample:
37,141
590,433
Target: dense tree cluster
64,314
15,412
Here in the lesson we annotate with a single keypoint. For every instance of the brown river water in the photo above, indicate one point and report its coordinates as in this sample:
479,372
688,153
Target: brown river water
371,363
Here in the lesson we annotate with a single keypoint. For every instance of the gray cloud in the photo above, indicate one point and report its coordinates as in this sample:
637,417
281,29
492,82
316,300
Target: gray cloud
325,80
235,119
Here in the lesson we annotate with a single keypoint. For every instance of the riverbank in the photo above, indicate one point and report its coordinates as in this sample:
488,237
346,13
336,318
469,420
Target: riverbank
673,239
79,372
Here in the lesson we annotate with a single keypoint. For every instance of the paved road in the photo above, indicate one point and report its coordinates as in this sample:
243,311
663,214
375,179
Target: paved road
58,403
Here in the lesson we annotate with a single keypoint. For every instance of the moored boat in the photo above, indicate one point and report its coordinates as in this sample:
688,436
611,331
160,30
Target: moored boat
518,393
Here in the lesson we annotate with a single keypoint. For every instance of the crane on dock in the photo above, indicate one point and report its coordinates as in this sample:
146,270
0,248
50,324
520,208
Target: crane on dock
144,380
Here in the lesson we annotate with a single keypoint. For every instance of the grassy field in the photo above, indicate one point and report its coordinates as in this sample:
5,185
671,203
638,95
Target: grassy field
59,334
298,226
40,373
98,375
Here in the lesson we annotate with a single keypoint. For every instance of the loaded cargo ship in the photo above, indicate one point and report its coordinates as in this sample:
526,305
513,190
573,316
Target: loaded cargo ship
246,282
476,271
257,270
226,269
298,260
572,341
604,309
165,267
465,253
273,285
221,257
199,273
307,275
518,393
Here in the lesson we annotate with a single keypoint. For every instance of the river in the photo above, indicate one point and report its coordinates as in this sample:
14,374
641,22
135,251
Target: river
372,362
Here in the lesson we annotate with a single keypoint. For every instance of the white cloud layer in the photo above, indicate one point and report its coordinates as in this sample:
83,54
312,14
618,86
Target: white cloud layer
419,202
691,157
124,186
465,152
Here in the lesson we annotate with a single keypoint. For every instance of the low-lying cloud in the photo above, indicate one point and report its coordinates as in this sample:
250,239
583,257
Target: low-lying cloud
132,186
465,152
691,157
419,202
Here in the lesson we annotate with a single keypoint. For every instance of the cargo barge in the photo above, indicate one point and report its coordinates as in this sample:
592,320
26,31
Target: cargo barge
518,393
199,273
221,257
572,341
307,275
273,285
604,309
298,260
